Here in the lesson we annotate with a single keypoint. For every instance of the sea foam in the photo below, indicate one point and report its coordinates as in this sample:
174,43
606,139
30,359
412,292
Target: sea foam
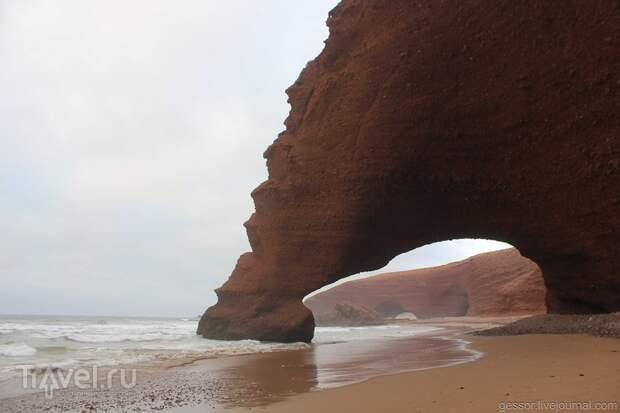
16,350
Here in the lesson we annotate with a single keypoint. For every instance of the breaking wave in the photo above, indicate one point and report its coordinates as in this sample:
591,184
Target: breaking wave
16,350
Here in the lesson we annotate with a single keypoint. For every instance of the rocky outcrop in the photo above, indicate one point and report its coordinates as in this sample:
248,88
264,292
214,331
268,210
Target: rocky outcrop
603,325
426,121
492,284
348,314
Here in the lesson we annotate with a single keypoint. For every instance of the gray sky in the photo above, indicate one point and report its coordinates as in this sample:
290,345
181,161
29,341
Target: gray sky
132,134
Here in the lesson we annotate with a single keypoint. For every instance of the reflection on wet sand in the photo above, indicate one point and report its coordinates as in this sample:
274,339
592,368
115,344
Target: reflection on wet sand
200,385
263,379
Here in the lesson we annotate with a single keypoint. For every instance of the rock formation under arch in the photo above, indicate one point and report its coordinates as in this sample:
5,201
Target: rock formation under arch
427,121
498,283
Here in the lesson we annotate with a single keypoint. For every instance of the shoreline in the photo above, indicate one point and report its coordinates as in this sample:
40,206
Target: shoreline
260,379
514,369
463,372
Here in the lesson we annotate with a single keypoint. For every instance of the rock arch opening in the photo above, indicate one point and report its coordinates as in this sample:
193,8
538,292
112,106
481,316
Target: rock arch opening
454,278
398,138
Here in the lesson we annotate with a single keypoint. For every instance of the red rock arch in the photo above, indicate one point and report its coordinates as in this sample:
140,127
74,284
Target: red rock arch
426,121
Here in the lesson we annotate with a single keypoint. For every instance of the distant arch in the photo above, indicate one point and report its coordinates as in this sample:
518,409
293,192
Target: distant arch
500,282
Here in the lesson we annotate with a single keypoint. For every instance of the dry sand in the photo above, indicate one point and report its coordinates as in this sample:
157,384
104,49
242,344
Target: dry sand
518,368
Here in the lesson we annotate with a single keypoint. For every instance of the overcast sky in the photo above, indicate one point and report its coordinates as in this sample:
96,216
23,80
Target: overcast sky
132,134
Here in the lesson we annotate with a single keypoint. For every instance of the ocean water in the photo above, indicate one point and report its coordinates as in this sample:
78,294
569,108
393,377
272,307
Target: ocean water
206,376
72,342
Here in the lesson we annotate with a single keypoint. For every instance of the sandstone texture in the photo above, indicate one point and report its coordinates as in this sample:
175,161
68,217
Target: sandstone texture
492,284
422,121
348,314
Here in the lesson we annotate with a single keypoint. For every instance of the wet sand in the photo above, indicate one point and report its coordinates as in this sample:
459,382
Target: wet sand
363,376
257,380
514,369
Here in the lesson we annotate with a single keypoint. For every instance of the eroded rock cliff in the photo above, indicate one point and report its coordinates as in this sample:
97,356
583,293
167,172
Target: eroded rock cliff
492,284
426,121
344,313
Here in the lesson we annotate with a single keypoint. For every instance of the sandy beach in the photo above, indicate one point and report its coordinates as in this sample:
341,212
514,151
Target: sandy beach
261,376
444,369
529,368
